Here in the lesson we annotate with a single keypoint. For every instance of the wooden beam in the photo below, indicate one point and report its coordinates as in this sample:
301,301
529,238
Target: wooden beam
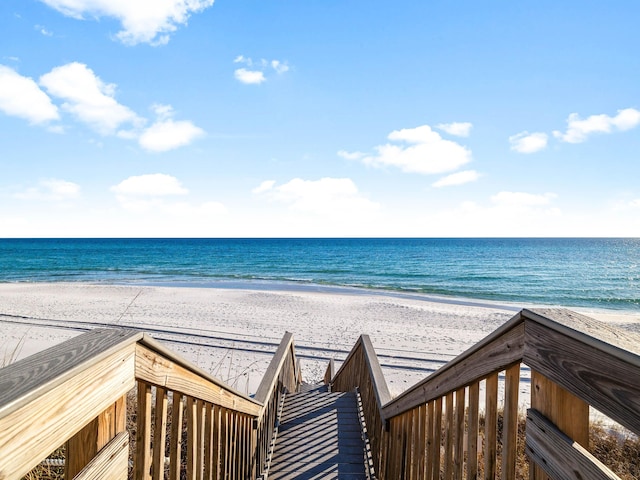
49,419
592,372
111,463
495,353
558,455
158,370
30,378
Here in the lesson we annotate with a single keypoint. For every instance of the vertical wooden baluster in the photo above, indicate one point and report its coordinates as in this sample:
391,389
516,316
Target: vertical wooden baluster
192,438
143,432
437,438
429,433
472,431
449,433
458,454
215,470
200,411
408,466
490,427
159,433
208,441
422,436
510,422
175,448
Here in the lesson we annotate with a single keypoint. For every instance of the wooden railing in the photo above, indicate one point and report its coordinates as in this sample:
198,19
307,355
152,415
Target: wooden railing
434,430
282,376
187,423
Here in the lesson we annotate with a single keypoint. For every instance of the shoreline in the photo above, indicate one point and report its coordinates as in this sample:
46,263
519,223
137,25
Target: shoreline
233,332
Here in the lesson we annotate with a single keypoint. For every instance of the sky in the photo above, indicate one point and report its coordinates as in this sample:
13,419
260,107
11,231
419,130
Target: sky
300,118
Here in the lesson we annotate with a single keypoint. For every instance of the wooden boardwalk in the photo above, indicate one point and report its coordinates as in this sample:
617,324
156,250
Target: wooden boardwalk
319,437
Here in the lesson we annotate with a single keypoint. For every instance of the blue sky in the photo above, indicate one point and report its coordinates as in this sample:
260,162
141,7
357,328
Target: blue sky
123,118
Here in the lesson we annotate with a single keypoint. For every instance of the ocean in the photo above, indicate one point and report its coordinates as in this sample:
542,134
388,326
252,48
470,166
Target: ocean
588,273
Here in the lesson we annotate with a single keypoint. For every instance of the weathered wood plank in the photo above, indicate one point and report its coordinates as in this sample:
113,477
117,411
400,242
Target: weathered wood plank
49,419
586,371
142,467
84,445
275,366
159,370
111,463
558,455
380,388
472,430
175,447
498,351
458,453
159,433
510,428
449,432
32,377
192,438
491,427
437,435
613,341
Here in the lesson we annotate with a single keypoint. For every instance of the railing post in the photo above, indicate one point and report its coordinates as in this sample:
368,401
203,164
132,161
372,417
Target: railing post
569,413
85,444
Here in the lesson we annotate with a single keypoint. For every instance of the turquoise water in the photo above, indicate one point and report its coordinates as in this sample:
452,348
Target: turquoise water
589,273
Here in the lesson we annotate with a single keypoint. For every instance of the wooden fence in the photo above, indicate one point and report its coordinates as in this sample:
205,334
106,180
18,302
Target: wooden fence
191,425
433,430
188,424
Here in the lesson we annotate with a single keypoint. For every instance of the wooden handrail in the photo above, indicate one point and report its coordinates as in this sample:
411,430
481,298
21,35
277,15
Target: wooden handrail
88,378
497,351
575,362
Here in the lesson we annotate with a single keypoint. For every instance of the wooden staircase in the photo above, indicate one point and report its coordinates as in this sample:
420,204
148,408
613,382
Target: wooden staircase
319,436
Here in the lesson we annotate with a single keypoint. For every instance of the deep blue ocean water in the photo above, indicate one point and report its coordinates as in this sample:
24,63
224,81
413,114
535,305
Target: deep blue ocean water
589,273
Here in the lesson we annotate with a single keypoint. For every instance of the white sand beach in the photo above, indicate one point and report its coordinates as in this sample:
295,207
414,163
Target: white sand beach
232,333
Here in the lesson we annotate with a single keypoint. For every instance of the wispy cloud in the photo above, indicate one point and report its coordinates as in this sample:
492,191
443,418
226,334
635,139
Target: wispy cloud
579,130
153,193
521,199
326,196
142,21
459,129
255,72
22,97
43,31
459,178
50,190
525,142
417,150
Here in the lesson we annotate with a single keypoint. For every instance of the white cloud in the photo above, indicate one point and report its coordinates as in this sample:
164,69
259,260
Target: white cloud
143,21
43,31
249,77
149,194
525,142
150,185
327,196
427,152
459,129
256,73
88,98
279,67
50,190
351,155
168,134
459,178
264,187
578,130
520,199
21,97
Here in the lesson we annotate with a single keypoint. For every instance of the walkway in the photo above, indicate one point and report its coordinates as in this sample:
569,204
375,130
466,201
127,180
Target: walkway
319,437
